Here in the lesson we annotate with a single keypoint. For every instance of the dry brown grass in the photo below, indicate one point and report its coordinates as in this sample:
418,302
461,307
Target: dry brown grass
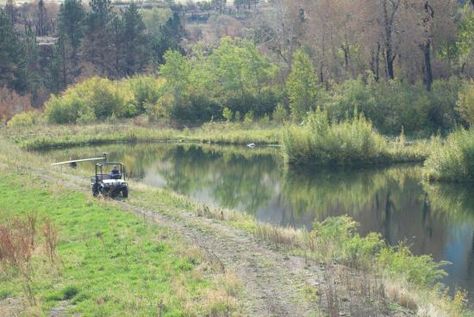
51,239
17,244
289,237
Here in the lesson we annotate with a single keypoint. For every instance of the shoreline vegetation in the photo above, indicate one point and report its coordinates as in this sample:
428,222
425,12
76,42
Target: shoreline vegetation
453,160
350,143
56,136
407,281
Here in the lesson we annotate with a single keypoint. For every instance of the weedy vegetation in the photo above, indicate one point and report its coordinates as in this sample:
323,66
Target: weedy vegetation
453,160
350,142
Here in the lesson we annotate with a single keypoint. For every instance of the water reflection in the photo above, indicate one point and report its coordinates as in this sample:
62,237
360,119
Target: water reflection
433,219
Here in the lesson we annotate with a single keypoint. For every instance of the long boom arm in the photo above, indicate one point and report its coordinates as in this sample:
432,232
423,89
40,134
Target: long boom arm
104,158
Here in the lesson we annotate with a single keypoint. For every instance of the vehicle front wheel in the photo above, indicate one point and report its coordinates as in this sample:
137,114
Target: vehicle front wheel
125,192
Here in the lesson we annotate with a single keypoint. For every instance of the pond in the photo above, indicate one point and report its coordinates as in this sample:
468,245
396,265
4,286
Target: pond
431,219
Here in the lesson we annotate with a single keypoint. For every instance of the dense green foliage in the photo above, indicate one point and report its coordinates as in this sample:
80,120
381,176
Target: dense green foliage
394,106
454,160
99,98
301,86
224,85
24,119
234,75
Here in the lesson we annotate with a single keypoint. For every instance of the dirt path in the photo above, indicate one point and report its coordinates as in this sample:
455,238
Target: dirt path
274,283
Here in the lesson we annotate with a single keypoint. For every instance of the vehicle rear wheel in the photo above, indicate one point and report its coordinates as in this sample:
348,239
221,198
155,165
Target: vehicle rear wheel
125,192
95,190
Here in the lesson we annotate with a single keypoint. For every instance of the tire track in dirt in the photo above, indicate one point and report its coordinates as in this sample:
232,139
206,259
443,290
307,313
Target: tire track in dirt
273,283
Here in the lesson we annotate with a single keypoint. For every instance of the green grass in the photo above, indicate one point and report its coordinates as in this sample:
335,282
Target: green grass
111,262
49,136
452,161
352,142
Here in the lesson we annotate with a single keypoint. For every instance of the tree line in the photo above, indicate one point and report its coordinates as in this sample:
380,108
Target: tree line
44,48
404,64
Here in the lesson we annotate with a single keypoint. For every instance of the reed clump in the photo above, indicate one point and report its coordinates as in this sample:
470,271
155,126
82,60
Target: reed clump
452,161
351,142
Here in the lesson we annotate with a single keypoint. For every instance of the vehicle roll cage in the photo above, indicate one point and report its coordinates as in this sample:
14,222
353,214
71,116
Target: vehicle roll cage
99,170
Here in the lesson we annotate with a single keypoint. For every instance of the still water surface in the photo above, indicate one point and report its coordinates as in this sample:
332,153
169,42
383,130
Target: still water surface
432,219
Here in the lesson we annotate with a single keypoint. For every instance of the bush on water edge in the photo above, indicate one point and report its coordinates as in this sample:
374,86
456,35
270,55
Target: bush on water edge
452,161
402,274
351,142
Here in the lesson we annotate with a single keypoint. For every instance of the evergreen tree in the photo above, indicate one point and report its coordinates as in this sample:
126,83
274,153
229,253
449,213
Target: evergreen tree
71,19
12,56
71,31
98,46
171,34
301,85
135,41
116,30
42,27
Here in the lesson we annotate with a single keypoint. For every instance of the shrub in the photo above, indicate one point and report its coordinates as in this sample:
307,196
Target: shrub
301,85
454,159
17,246
336,238
146,91
160,110
98,99
249,117
420,270
23,119
394,105
443,97
12,103
69,292
402,106
227,114
65,109
280,114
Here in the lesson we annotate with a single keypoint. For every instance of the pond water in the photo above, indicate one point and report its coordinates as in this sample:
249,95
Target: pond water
432,219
